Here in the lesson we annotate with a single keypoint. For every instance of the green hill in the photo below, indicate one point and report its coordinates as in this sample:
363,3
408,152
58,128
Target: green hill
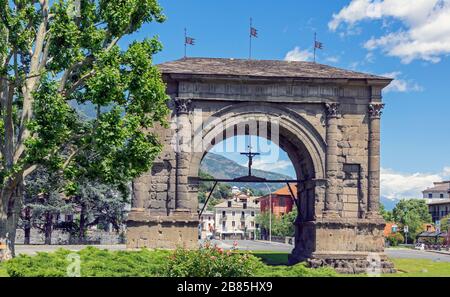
221,167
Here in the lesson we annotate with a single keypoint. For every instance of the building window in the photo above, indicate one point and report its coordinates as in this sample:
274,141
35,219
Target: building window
253,213
223,225
430,195
441,195
224,213
233,223
281,202
233,213
252,224
243,214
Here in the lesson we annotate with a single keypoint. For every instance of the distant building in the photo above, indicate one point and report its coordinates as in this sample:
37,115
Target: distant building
440,190
438,208
282,202
235,190
438,200
235,218
390,228
207,224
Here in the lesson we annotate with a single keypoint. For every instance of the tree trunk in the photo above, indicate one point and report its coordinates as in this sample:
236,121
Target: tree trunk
27,226
48,228
9,217
82,223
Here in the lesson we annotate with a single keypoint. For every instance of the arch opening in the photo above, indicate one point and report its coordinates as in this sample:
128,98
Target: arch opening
289,139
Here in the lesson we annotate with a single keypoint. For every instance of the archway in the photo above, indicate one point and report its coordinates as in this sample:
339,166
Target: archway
247,208
328,121
302,144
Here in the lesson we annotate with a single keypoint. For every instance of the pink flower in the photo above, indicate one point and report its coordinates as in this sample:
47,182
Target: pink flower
220,250
213,257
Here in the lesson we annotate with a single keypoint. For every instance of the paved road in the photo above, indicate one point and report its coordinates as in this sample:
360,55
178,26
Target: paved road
416,254
242,245
254,245
33,249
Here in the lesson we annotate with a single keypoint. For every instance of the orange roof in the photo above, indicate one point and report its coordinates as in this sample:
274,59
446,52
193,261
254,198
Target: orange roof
285,191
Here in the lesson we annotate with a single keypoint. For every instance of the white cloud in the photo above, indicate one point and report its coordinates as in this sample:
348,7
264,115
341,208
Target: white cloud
279,166
446,171
298,55
426,26
370,58
332,59
396,185
401,85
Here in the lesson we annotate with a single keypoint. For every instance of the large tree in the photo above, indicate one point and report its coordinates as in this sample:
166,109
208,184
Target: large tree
43,203
98,204
412,213
56,54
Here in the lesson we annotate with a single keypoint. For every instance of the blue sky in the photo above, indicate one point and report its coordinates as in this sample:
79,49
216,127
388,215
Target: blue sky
408,40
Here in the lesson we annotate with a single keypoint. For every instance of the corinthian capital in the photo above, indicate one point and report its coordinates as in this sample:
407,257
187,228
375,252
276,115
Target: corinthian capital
375,109
182,105
332,109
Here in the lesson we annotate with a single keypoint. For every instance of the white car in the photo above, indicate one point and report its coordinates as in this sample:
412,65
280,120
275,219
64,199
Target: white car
420,246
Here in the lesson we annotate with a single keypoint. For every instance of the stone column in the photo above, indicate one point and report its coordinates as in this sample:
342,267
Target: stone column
182,152
375,110
331,163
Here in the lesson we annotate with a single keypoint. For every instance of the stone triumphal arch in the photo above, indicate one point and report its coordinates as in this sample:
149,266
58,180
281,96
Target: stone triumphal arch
326,119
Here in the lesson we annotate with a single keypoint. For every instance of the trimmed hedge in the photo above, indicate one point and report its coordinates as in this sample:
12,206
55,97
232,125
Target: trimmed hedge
207,261
93,261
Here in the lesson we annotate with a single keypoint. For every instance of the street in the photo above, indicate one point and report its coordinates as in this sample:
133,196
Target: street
416,254
254,245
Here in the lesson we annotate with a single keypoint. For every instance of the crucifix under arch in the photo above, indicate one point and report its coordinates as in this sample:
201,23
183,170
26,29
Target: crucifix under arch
250,156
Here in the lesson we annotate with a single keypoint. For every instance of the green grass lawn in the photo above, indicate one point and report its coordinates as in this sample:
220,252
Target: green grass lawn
420,267
3,272
405,267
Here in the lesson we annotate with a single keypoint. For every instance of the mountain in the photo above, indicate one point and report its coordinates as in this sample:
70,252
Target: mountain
221,167
389,204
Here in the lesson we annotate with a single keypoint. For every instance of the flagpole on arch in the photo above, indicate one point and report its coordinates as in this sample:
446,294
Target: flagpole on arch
250,41
252,33
315,40
185,35
317,45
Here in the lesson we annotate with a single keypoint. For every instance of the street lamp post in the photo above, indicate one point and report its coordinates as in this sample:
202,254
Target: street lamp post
270,213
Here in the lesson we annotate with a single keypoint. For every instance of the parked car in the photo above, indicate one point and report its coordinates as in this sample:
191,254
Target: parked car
420,246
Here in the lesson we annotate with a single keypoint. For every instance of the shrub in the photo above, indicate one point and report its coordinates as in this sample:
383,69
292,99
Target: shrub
395,239
93,261
211,261
207,261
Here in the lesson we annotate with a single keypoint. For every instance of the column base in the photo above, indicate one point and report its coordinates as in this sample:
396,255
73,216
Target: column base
345,244
372,264
159,231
